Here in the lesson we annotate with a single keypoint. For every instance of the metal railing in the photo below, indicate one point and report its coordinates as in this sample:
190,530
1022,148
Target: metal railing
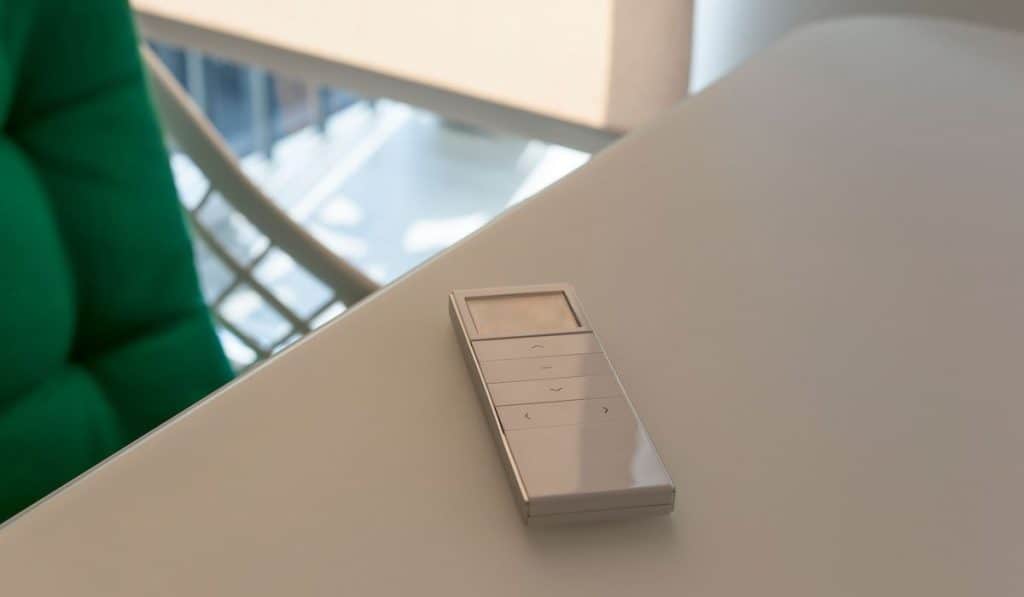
189,129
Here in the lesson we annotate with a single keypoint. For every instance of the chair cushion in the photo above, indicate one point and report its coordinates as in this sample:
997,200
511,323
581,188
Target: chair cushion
104,331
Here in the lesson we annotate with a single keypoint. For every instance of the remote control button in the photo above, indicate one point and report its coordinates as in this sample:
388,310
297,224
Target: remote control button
572,468
576,365
573,412
554,390
536,346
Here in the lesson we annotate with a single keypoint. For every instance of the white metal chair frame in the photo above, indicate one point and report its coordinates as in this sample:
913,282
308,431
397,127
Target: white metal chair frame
185,123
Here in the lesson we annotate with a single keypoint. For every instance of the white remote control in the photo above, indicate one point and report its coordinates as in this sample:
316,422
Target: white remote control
571,441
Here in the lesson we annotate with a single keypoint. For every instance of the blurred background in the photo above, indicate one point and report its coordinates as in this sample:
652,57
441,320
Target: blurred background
380,182
372,127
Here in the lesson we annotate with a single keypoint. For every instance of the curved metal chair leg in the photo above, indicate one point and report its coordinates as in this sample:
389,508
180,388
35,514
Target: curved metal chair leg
203,144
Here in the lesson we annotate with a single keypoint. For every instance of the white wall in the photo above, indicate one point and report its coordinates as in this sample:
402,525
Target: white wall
727,32
609,64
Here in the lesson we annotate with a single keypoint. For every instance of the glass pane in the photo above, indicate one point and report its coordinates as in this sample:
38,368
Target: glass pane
214,276
328,314
228,102
286,343
291,106
246,310
240,355
240,238
189,180
173,58
290,283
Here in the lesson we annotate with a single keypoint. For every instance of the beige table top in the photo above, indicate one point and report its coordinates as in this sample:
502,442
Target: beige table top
811,280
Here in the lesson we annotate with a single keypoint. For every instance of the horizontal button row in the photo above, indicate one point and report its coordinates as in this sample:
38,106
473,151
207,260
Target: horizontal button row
577,365
554,390
573,412
544,381
536,346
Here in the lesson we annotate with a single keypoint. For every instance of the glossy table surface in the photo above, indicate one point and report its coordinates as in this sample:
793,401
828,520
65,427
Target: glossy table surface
810,279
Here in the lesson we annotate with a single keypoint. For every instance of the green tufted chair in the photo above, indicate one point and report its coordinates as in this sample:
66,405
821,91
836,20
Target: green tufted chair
103,332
